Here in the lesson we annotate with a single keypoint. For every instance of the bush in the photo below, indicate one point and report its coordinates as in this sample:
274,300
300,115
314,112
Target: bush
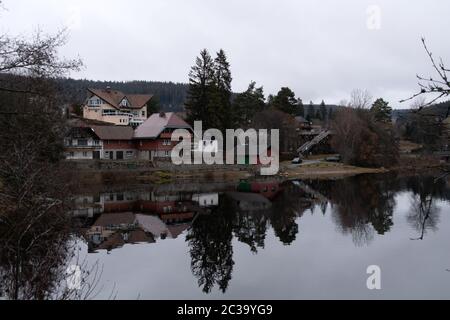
363,141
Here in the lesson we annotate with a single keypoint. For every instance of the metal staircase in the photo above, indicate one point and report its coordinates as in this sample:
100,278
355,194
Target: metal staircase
308,145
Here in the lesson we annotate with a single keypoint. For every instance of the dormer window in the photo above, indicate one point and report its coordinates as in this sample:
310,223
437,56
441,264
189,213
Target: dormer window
124,103
95,102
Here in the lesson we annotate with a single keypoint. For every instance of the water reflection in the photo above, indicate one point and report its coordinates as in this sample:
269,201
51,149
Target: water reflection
424,213
208,218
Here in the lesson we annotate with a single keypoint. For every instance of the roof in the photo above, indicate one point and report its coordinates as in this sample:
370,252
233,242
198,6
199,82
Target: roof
115,97
115,219
156,124
178,229
79,122
113,132
152,224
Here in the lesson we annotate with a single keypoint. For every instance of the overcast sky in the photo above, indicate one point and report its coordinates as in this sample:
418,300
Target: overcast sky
320,49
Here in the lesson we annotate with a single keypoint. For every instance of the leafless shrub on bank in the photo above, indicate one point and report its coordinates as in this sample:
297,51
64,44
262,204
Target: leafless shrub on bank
34,190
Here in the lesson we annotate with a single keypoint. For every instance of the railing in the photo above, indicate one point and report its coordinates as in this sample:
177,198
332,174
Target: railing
87,146
308,145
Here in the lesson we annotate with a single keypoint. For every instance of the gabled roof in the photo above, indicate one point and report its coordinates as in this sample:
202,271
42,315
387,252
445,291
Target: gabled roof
79,122
113,132
115,97
155,125
115,219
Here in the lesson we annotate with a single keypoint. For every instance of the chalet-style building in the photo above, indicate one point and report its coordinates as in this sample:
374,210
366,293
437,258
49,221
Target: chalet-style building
153,137
116,107
117,142
82,143
88,139
100,142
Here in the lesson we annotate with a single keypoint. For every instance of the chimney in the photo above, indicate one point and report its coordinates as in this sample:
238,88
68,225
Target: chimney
162,114
108,89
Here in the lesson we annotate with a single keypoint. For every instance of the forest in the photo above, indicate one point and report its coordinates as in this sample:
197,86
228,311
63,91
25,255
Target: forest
170,96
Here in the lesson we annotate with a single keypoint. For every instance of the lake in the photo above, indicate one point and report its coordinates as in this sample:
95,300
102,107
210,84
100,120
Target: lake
270,240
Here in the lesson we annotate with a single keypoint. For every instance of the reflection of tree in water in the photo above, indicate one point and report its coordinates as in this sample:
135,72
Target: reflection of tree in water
250,228
424,214
286,209
211,249
210,238
35,235
33,250
363,205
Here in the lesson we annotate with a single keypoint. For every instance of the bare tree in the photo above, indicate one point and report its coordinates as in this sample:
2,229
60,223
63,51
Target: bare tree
363,141
34,186
360,99
437,87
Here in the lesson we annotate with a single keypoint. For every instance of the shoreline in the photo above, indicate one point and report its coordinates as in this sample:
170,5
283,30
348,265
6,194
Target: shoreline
313,171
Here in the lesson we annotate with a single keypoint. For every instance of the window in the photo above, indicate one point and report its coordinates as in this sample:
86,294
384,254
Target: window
120,197
85,154
129,154
143,113
82,142
71,154
97,142
95,102
110,112
167,153
124,103
167,142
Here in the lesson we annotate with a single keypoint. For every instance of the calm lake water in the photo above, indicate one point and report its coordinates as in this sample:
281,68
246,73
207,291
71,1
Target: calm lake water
269,240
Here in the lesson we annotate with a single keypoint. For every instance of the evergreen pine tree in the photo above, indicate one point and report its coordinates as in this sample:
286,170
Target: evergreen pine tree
300,108
247,104
285,101
310,112
381,111
323,111
201,84
220,103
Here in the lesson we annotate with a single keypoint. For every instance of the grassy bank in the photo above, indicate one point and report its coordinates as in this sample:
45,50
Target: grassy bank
316,169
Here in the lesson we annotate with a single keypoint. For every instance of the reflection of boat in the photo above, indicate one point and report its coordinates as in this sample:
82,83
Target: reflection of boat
268,189
249,201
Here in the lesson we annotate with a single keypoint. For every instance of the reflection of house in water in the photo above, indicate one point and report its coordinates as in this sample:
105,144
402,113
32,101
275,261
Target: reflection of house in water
87,206
160,229
206,199
113,230
135,217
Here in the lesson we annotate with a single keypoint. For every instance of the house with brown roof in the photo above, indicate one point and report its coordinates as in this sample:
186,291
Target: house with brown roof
91,139
87,142
154,137
116,107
